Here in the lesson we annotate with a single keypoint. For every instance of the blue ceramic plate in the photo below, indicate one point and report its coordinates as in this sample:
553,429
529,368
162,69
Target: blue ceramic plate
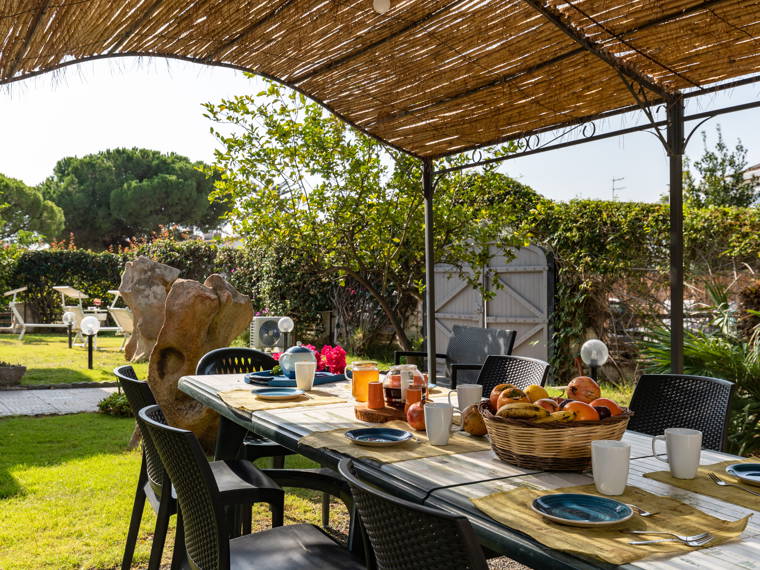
277,393
747,472
576,509
378,437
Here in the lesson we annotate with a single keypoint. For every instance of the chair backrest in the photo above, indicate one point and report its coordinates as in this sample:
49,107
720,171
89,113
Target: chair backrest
472,345
123,319
206,539
408,536
663,401
518,370
139,396
234,360
78,313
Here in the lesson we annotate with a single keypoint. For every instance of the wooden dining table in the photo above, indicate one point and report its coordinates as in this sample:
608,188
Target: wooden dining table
449,482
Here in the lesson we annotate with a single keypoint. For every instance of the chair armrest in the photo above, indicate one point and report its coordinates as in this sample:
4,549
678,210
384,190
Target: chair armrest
324,480
399,353
455,368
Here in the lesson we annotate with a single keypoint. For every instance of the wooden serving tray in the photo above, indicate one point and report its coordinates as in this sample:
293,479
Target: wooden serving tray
380,416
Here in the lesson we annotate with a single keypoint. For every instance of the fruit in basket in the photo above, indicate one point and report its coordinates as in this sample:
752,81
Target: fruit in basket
415,416
536,392
522,410
583,412
564,402
612,406
494,395
472,421
583,389
560,416
548,404
511,396
604,413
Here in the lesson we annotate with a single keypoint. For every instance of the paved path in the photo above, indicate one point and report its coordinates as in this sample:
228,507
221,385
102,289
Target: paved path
51,402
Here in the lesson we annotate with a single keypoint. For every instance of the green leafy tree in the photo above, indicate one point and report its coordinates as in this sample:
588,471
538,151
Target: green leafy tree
348,206
24,212
720,177
112,196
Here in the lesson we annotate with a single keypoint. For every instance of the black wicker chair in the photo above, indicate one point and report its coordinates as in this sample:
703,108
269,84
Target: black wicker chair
467,350
203,524
408,536
240,484
662,401
518,370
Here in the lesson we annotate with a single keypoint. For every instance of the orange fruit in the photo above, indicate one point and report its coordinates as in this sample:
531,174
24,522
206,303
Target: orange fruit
583,411
612,406
493,398
511,396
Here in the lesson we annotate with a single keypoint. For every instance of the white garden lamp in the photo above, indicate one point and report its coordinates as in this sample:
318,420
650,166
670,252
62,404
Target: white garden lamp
68,320
594,354
90,327
286,325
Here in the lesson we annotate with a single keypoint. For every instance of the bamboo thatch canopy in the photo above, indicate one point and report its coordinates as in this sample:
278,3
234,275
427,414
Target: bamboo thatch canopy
431,77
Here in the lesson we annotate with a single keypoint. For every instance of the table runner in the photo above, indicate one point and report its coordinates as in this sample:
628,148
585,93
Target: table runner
704,486
337,441
513,509
243,399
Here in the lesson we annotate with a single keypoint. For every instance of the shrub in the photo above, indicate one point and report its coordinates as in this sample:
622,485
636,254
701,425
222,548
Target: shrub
115,405
195,259
749,305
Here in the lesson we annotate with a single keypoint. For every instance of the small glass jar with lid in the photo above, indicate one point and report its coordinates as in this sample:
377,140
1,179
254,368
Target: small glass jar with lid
398,379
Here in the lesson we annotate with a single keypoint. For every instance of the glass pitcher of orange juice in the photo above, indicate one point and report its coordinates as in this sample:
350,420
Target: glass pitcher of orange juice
362,373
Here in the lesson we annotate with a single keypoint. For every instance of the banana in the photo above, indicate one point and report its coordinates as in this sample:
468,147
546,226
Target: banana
522,410
561,416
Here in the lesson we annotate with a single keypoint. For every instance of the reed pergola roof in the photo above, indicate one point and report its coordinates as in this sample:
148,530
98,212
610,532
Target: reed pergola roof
430,77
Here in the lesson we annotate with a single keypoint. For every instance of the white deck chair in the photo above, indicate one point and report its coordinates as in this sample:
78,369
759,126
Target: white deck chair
125,322
17,312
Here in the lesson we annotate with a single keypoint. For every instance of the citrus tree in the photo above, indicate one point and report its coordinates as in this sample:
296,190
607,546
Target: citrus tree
349,206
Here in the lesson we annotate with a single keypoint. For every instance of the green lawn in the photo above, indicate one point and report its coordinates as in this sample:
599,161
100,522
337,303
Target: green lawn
49,360
66,490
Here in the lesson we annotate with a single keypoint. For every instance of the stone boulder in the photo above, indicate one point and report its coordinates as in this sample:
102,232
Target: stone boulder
198,318
144,286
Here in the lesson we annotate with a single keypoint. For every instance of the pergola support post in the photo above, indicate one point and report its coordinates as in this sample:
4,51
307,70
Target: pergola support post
676,144
427,190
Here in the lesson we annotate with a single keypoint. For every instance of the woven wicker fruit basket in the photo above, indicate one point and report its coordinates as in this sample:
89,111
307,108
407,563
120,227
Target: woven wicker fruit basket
556,446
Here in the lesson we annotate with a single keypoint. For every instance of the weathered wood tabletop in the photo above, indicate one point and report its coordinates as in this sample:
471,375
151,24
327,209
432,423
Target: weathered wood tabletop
450,482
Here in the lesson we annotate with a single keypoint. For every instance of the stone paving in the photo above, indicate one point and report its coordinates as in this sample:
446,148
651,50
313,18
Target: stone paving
51,402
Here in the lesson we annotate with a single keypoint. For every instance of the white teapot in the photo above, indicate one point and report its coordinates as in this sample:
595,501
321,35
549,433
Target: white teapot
295,354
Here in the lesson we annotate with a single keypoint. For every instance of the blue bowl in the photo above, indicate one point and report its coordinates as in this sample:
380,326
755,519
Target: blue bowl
277,393
378,437
577,509
746,472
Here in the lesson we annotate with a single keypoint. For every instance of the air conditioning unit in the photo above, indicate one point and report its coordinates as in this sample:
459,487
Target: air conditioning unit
265,334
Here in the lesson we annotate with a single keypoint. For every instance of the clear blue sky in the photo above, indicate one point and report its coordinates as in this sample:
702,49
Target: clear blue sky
157,104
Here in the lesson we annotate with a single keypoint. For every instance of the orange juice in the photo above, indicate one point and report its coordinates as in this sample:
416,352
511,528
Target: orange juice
362,373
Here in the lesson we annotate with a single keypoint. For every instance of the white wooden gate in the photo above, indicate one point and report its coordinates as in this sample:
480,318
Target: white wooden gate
523,303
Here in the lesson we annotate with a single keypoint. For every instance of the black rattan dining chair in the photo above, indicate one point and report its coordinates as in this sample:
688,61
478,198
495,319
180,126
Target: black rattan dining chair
203,524
409,536
467,350
518,370
662,401
240,484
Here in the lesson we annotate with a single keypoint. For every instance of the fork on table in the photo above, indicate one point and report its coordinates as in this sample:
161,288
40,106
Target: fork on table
718,481
692,540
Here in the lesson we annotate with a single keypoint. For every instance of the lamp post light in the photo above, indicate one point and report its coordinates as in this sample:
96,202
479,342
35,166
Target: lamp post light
68,320
285,324
594,353
90,327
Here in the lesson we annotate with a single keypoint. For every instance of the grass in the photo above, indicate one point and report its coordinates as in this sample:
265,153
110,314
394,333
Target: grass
49,360
66,492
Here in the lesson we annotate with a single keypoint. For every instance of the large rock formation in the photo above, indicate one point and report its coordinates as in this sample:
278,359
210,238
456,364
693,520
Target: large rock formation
144,286
198,318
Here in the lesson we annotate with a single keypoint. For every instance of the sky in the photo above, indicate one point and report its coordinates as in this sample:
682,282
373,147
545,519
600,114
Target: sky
157,104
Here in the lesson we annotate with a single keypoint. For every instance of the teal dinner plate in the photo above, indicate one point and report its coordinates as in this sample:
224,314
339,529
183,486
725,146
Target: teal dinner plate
576,509
746,472
378,437
277,393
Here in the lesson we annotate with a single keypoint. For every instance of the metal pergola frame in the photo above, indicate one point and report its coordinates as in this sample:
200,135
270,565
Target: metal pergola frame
674,142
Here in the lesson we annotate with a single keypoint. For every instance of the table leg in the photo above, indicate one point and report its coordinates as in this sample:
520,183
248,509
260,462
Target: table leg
229,439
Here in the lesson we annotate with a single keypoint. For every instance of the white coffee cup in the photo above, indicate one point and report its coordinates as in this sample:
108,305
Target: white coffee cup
305,375
438,417
683,447
467,394
609,461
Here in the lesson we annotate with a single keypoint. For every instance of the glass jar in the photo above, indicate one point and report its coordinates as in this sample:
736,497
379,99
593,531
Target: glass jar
399,378
362,372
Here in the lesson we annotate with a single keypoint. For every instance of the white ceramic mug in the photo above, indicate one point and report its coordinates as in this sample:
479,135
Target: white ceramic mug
305,375
609,462
467,394
438,417
683,447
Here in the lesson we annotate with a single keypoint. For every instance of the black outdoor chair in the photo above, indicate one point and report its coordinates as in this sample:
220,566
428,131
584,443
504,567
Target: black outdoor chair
662,401
203,524
240,485
466,352
518,370
409,536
